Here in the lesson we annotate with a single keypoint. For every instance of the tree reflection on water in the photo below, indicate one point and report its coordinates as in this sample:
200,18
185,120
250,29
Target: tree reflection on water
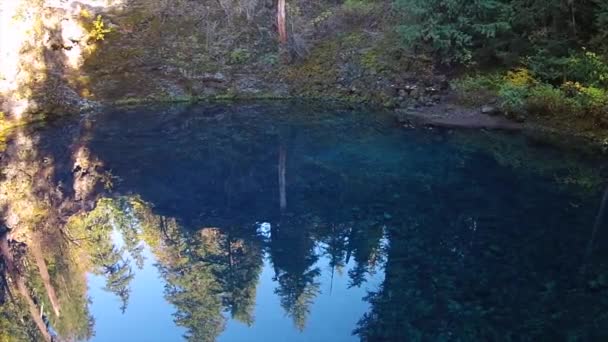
471,244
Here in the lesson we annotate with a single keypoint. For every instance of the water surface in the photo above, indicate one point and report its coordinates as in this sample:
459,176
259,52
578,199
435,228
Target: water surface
299,222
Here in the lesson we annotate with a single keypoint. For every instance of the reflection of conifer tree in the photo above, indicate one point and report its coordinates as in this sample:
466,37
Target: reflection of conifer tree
118,277
335,248
205,272
196,297
364,245
297,292
184,264
128,225
241,265
95,231
193,289
293,256
400,304
386,320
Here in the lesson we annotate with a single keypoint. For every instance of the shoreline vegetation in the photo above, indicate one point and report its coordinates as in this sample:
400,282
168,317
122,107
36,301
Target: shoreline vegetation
504,64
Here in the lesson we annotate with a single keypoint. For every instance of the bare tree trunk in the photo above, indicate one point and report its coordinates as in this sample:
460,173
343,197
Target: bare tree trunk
281,22
282,183
46,278
598,222
33,310
573,15
8,258
6,286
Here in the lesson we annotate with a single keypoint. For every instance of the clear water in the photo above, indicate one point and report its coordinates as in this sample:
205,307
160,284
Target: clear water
378,233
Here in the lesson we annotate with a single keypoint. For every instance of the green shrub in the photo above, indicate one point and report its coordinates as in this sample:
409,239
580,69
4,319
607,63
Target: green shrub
546,99
270,59
587,68
239,56
359,7
513,98
515,90
595,102
518,92
370,61
570,99
546,67
479,82
477,89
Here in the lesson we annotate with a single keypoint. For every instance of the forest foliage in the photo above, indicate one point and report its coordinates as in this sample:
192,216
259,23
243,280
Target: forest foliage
507,31
558,46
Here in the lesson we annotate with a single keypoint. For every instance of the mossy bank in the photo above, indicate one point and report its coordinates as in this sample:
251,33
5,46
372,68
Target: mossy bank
78,55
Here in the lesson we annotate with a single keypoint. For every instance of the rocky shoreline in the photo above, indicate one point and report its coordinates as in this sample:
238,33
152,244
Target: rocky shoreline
142,59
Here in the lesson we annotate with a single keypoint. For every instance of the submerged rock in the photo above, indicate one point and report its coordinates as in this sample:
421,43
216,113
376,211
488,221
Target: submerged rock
490,110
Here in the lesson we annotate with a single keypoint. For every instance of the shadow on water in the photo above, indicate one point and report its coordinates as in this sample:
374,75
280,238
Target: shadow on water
470,236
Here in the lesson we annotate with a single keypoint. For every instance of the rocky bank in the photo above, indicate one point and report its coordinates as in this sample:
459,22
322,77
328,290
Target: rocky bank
65,56
184,50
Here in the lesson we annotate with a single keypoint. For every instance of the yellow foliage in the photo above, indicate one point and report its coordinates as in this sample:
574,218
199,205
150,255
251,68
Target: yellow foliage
86,14
5,338
520,77
594,94
98,31
573,88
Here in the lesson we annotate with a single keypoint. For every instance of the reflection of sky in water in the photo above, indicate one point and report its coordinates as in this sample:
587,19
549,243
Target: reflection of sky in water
149,316
328,320
490,235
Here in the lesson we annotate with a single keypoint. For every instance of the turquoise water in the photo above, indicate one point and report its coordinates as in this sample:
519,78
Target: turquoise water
299,222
